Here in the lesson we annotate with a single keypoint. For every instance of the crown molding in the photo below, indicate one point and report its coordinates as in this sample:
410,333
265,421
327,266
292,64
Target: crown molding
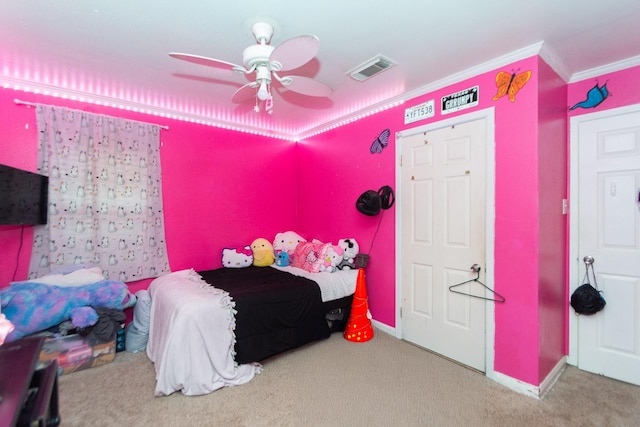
634,61
553,60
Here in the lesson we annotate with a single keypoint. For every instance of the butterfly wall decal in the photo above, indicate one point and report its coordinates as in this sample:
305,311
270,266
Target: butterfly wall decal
510,84
595,96
381,142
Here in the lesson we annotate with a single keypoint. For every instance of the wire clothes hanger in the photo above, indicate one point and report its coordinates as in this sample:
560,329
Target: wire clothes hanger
476,268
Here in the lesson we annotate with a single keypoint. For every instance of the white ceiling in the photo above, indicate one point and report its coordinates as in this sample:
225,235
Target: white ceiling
109,50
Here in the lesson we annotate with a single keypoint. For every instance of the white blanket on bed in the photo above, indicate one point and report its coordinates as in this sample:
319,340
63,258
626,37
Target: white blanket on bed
191,336
333,286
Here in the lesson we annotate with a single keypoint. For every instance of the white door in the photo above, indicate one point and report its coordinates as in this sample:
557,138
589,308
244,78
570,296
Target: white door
443,236
609,231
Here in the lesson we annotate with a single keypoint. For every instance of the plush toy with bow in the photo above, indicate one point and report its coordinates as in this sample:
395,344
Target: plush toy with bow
287,242
237,257
34,307
351,248
332,256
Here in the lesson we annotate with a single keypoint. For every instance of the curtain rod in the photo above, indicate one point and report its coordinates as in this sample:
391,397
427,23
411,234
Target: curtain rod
32,104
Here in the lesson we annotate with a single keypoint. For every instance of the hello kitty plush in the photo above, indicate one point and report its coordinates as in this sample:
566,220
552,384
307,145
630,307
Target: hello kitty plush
287,242
351,249
332,256
237,257
308,256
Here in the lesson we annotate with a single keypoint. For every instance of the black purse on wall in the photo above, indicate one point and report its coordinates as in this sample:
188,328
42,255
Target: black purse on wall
587,299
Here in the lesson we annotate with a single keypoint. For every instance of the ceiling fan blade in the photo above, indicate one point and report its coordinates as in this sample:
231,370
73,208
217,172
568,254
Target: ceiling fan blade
296,52
203,60
306,86
244,93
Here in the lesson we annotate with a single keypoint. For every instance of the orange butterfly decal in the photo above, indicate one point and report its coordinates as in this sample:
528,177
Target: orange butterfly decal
510,84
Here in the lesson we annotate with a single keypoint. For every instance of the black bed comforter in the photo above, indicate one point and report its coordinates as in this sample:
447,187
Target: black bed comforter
276,311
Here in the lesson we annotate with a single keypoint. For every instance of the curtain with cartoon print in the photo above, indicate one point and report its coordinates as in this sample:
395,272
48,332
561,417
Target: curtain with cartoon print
105,195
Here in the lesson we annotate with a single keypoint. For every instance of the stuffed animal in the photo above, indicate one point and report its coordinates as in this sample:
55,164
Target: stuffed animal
5,327
237,257
332,257
263,255
316,256
34,307
282,259
287,242
351,249
308,256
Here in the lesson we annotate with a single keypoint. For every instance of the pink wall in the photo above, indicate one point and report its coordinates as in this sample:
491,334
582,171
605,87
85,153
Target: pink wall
525,245
516,232
221,188
335,168
17,148
553,224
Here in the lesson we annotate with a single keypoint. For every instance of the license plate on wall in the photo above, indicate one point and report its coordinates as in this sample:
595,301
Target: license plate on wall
419,112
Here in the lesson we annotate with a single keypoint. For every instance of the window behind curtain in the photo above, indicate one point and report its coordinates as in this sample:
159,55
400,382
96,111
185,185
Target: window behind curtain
105,195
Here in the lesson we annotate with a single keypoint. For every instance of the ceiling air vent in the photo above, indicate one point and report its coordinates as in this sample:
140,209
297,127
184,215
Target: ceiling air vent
370,68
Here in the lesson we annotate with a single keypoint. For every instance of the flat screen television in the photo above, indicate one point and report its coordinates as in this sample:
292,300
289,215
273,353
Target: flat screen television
23,197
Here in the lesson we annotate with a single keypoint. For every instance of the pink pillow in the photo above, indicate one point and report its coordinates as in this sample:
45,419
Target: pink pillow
309,256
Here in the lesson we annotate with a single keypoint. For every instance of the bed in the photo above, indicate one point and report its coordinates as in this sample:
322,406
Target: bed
210,329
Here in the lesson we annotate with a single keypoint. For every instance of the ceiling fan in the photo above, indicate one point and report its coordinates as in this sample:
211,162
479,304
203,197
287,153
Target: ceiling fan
266,61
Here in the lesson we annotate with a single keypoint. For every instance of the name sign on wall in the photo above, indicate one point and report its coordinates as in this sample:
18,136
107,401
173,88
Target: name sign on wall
460,100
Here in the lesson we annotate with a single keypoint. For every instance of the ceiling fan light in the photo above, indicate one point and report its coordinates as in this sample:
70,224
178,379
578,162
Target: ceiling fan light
263,91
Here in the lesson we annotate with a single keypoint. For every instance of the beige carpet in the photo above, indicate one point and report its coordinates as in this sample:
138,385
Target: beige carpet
383,382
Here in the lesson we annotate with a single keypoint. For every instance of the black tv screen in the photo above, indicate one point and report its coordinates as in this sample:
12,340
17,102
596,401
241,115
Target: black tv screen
23,197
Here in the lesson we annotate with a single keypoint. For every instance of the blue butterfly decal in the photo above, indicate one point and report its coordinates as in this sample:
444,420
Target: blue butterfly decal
380,142
595,96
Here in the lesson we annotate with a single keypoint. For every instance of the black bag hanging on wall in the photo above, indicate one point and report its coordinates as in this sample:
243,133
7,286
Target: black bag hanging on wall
586,299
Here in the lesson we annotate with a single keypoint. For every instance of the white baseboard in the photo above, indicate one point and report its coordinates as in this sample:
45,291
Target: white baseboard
384,327
521,387
553,376
531,390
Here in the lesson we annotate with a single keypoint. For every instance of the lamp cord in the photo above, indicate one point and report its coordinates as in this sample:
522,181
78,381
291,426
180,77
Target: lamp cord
18,256
376,232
